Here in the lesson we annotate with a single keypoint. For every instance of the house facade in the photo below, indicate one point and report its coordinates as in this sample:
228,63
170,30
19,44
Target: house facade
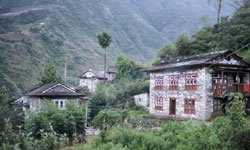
111,73
196,86
91,78
58,93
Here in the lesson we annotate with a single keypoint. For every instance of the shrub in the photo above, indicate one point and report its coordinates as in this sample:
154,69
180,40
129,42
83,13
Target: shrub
69,121
109,117
22,140
127,138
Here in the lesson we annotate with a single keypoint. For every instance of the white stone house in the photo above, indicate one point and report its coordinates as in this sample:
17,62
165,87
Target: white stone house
91,78
194,87
142,100
58,93
111,73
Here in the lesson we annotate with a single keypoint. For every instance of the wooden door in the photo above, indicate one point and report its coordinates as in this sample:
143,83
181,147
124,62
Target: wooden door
172,107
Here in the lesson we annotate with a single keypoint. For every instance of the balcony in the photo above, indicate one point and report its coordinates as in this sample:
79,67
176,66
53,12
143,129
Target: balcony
223,89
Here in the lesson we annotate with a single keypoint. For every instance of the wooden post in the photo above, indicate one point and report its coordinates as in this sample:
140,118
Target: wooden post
238,83
222,83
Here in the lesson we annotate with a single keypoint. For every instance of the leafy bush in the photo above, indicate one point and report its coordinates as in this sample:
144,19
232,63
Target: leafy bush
22,140
127,138
126,69
6,111
69,121
117,93
109,117
224,132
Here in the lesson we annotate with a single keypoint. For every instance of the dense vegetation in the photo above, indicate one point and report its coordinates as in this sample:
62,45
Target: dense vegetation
129,81
54,30
227,132
6,110
230,33
34,31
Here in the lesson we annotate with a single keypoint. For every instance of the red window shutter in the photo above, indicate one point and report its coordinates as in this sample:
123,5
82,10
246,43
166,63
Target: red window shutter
159,103
173,82
189,106
246,88
159,83
191,81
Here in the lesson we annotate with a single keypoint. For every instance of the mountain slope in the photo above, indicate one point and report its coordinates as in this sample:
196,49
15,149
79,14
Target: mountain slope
32,32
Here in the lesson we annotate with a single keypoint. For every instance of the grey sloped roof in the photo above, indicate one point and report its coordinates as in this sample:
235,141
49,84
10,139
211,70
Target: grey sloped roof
97,73
195,60
52,89
199,57
111,69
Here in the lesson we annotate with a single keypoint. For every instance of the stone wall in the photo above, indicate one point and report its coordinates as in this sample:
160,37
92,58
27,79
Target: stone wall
208,93
179,95
91,84
142,100
111,77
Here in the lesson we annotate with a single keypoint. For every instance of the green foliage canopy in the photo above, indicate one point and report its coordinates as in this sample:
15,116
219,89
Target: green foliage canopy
67,121
11,139
230,33
50,75
126,69
104,39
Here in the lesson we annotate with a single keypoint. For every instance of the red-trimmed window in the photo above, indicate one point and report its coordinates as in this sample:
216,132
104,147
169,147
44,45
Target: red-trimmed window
189,106
159,103
173,82
159,83
191,81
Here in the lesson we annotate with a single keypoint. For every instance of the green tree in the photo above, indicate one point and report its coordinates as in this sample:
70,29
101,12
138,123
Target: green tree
218,7
167,52
68,121
236,111
4,97
126,68
49,75
104,40
182,45
6,111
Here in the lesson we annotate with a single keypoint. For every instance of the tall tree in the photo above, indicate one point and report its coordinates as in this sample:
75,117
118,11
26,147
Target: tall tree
49,75
104,40
218,8
219,2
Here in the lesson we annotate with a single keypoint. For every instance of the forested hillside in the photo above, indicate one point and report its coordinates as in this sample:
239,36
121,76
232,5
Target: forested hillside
34,31
230,34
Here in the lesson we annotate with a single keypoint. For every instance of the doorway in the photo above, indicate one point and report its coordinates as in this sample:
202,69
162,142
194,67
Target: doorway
172,107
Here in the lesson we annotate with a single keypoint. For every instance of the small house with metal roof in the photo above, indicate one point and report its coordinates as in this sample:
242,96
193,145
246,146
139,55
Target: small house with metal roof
58,93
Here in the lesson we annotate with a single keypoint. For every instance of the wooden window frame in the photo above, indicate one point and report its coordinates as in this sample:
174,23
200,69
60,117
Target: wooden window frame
217,104
173,82
61,104
159,103
189,106
159,83
191,81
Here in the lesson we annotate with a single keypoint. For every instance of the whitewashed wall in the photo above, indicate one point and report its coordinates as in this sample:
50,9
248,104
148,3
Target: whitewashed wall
142,100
